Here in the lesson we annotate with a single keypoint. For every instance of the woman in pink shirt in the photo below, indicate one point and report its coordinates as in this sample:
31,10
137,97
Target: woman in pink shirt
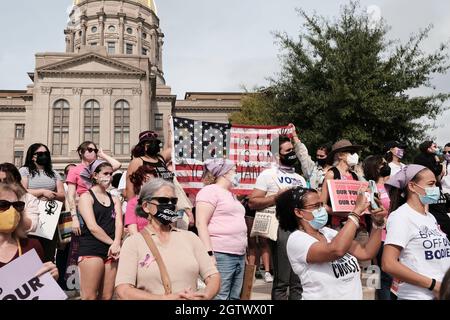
221,225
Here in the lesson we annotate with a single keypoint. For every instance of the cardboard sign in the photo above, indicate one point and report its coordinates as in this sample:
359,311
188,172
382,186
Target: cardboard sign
49,212
343,194
18,280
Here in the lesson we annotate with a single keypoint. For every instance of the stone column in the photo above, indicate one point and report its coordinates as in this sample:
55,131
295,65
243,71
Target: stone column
139,35
121,32
101,24
70,44
154,46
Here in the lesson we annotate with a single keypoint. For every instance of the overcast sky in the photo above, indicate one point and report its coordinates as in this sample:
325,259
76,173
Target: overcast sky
213,45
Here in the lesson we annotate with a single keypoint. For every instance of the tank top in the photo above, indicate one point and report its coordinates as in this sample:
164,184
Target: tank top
106,219
161,168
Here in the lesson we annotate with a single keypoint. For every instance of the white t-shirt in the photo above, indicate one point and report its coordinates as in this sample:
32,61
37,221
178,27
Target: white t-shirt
445,181
273,179
337,280
395,167
426,249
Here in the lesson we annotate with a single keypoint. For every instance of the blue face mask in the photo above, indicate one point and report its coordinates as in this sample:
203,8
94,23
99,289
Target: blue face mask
432,195
439,152
320,218
234,180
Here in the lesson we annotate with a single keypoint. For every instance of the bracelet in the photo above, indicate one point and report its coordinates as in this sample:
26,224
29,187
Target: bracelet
355,221
433,284
375,226
354,215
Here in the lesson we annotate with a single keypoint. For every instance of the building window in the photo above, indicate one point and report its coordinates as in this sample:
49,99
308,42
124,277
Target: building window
111,47
158,121
61,112
93,44
111,28
144,35
18,158
122,128
144,51
129,31
94,29
20,131
92,121
129,48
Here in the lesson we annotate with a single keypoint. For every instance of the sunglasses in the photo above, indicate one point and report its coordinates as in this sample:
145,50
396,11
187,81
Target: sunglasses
5,205
92,150
165,200
41,153
445,152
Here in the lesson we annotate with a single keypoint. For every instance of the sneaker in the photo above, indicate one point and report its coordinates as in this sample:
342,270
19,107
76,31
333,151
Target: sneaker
268,277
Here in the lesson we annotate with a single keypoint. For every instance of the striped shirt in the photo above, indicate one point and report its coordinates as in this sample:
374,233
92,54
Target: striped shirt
40,180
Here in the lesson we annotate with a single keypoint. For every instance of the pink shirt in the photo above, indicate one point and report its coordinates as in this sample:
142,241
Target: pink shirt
74,177
131,217
386,202
227,228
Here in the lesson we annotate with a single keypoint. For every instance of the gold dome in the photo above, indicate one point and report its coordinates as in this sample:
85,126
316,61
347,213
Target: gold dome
148,3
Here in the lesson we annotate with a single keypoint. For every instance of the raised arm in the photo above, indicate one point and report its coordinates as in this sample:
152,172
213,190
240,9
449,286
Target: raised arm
167,151
113,162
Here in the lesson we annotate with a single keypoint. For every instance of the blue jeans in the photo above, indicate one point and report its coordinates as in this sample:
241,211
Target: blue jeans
231,269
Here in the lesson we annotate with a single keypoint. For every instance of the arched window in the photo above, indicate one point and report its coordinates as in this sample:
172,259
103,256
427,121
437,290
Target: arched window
61,112
92,121
121,128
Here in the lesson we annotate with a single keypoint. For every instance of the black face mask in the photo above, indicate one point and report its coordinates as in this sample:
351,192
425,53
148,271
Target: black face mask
153,148
289,159
166,213
385,171
43,159
322,162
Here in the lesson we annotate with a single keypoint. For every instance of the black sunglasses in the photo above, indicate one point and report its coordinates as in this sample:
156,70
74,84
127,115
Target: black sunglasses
41,153
92,149
165,200
5,205
445,152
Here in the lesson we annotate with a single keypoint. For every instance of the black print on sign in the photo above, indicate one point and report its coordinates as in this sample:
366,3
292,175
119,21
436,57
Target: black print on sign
344,266
25,291
50,207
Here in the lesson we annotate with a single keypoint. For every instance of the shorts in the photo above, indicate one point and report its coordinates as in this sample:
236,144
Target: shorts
107,260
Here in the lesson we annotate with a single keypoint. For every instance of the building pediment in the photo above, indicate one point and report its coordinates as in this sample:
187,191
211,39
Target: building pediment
90,64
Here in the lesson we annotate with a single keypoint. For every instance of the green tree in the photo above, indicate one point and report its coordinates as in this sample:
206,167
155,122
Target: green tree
345,79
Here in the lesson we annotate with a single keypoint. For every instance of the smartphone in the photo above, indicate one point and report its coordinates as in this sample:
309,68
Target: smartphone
373,191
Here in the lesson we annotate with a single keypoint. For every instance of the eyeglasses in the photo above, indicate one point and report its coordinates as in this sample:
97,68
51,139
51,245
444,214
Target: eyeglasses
165,200
5,205
41,153
92,150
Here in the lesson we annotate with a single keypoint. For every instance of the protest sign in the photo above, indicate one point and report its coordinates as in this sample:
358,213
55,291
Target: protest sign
343,194
18,280
49,212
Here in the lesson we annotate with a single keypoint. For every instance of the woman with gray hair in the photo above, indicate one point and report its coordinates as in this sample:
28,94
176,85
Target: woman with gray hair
162,262
220,221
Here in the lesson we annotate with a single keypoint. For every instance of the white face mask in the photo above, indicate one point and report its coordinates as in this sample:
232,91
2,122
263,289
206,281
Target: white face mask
352,159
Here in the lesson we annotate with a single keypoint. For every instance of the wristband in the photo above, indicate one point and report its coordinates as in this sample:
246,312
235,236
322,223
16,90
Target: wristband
354,215
354,220
433,284
375,226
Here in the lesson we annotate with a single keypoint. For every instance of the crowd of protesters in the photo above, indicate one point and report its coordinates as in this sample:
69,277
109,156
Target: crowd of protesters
129,240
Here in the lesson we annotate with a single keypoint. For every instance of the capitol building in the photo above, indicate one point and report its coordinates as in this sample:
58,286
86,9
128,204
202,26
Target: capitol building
107,87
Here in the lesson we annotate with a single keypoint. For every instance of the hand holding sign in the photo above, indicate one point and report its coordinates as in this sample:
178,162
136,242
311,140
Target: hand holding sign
19,280
48,267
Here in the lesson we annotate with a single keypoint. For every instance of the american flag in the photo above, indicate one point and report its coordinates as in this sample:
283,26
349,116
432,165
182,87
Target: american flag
195,141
